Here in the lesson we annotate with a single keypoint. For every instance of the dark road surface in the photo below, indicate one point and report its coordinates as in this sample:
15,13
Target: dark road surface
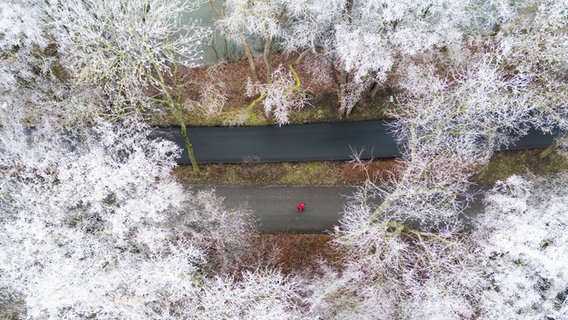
311,142
275,206
331,141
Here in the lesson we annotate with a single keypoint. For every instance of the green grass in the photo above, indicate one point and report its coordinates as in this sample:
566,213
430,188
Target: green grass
508,163
500,167
301,173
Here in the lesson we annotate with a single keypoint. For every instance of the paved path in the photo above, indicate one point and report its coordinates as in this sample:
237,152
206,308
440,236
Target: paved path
275,206
310,142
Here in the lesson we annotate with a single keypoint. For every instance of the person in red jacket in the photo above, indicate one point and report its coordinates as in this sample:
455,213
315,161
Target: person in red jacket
301,207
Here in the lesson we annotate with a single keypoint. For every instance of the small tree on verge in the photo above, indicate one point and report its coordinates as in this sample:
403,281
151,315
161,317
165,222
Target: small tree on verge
279,97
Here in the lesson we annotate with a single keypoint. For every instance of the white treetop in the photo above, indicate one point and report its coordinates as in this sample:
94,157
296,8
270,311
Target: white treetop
260,295
522,238
258,18
121,45
92,224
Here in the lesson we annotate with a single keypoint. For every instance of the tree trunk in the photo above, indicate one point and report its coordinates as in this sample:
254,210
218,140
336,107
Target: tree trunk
250,59
375,90
176,110
343,109
553,146
266,55
244,44
189,148
301,57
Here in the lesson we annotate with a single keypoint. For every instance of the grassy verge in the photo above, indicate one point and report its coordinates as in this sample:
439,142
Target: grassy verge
287,173
507,163
501,166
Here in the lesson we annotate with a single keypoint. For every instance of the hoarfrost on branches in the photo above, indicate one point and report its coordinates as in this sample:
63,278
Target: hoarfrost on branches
124,46
261,295
522,238
281,96
93,224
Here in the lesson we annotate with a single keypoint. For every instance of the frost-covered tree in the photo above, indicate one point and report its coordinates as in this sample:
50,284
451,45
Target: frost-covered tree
446,130
263,19
81,212
405,236
29,71
92,224
522,239
536,45
359,38
263,294
125,47
281,96
221,233
376,33
393,271
268,20
128,49
365,41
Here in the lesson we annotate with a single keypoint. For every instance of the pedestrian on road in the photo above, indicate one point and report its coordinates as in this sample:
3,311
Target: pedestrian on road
301,207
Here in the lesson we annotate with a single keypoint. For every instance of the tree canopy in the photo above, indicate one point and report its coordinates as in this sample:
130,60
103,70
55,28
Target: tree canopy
93,224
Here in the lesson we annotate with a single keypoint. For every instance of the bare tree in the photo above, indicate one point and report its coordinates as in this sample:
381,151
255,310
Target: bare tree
399,233
522,242
262,294
128,48
394,271
92,224
281,96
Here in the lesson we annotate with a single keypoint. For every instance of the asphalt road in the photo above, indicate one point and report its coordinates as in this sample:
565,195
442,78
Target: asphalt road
311,142
275,206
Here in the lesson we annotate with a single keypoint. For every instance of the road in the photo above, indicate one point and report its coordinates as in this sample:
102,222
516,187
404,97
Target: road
311,142
275,206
